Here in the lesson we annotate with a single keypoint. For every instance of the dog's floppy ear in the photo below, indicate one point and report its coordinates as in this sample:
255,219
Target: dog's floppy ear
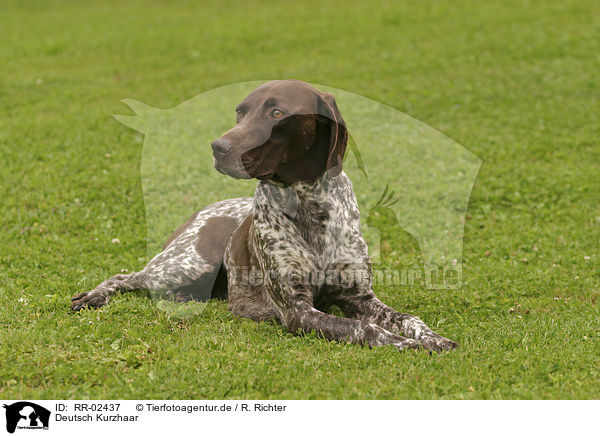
338,133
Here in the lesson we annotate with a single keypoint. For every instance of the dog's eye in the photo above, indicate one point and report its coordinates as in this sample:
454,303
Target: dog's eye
276,113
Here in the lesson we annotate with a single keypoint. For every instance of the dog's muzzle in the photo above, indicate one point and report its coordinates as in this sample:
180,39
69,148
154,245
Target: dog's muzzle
226,161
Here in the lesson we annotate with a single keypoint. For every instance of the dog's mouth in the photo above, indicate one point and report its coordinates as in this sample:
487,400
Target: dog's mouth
218,167
230,168
257,169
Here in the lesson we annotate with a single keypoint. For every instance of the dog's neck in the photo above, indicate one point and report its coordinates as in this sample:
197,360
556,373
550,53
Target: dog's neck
291,199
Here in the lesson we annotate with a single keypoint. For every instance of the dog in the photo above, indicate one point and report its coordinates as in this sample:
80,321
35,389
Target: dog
292,251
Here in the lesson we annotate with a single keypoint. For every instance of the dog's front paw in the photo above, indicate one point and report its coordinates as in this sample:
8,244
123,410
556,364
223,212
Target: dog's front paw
439,343
88,299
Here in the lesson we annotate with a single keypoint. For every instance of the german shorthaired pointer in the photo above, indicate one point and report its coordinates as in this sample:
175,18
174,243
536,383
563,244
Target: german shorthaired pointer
296,248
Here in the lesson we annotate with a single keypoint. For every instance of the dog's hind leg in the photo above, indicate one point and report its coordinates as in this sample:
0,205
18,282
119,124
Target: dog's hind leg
190,265
100,295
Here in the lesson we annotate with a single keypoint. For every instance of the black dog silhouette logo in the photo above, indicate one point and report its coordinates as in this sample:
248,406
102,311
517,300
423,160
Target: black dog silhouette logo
26,415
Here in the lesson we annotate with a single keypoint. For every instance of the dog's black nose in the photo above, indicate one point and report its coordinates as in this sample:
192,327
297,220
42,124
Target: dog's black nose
221,146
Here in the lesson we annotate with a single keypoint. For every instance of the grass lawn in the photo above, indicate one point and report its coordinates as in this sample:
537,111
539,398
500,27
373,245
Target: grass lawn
516,83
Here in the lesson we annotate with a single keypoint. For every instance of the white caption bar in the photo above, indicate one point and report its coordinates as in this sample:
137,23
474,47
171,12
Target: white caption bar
294,417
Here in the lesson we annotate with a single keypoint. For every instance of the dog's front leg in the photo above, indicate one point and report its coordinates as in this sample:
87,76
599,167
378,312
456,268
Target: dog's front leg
370,309
300,320
292,295
354,295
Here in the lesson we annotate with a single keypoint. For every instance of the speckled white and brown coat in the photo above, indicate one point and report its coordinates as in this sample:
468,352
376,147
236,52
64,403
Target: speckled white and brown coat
296,248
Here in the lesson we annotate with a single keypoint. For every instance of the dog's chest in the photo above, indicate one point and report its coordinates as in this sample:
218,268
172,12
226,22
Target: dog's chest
328,222
323,219
315,223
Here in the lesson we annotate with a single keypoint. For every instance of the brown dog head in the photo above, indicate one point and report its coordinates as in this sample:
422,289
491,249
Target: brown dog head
286,131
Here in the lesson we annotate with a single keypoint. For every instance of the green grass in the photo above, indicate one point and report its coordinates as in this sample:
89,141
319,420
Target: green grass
516,83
